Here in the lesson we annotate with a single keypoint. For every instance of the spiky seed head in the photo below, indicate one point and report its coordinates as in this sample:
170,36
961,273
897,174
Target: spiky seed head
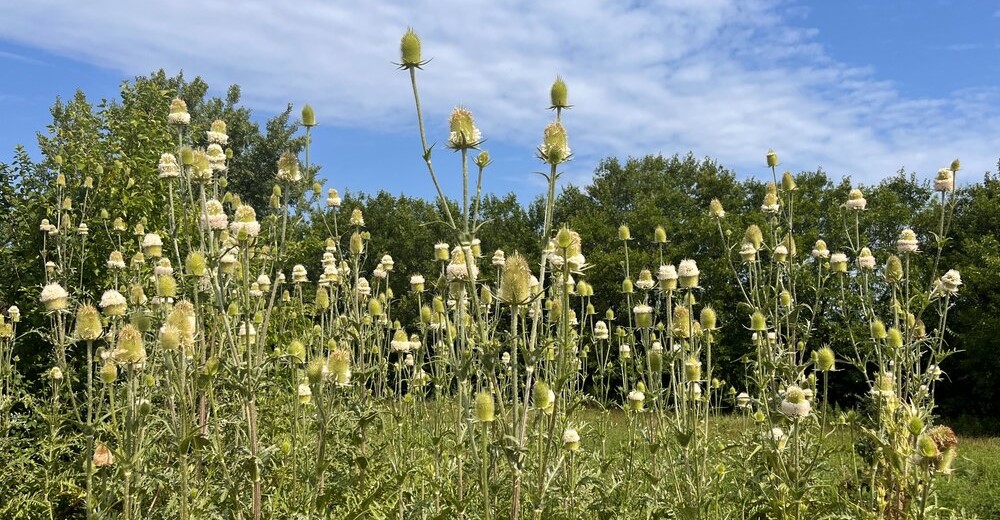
409,49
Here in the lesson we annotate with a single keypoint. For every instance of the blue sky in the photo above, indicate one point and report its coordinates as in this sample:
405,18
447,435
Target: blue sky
858,88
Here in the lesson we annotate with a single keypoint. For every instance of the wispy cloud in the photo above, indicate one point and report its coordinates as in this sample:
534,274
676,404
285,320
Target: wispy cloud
5,55
722,78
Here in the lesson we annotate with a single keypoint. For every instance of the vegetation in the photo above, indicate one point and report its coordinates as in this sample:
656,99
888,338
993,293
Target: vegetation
202,332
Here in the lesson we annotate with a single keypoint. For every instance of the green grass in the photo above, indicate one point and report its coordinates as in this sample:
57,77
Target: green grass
974,486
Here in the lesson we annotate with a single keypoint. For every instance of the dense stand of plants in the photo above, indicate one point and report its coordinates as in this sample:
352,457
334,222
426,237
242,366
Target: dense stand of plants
207,379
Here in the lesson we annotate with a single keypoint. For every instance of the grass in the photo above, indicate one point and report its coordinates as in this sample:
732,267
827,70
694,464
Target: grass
972,488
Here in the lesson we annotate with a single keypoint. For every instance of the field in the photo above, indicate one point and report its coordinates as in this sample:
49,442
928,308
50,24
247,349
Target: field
180,351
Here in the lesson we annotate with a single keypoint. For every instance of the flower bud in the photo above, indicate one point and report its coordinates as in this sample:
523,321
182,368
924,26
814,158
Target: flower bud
825,359
409,49
894,338
109,372
484,407
692,369
788,182
88,323
894,270
308,116
559,94
708,318
624,233
878,330
660,235
757,322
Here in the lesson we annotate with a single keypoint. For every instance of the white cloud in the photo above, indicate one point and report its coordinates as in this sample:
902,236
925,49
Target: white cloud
723,78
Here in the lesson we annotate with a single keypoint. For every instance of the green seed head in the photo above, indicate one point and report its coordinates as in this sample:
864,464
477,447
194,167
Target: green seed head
757,322
660,235
559,94
308,116
894,270
88,323
878,330
409,49
788,182
484,407
708,318
894,338
825,359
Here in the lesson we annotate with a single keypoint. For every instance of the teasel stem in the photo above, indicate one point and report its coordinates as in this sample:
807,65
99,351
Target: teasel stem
427,151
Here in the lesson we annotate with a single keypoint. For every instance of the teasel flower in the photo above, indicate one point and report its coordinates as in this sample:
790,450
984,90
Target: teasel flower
228,262
363,289
484,407
715,209
245,223
748,253
458,270
947,444
645,281
214,216
102,456
625,351
778,437
130,348
601,330
877,329
88,323
168,167
637,398
554,149
692,369
247,333
288,168
743,400
907,242
217,133
54,297
856,200
758,322
571,439
788,182
771,204
152,245
387,263
299,274
795,403
499,258
780,253
417,283
949,282
753,236
688,273
179,115
409,50
463,134
825,359
682,325
544,397
45,226
643,315
304,394
515,280
559,95
884,385
945,180
115,260
332,198
838,263
163,268
201,168
865,259
772,159
216,158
